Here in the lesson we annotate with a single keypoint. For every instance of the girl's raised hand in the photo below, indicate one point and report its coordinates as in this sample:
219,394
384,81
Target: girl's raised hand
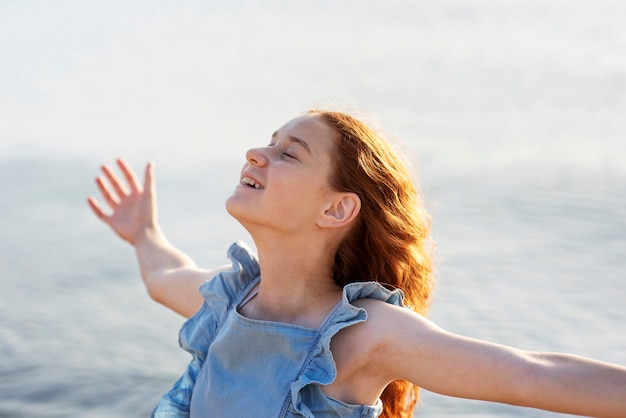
133,206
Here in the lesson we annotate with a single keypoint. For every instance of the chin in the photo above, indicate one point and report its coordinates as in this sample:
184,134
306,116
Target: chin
231,205
237,209
247,216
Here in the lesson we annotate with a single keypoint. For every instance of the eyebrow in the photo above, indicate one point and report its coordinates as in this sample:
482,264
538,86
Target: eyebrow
296,140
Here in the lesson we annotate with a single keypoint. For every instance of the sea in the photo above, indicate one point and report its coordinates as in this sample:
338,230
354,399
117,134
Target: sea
512,114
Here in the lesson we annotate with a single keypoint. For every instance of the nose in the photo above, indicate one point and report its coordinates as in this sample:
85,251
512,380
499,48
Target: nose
255,156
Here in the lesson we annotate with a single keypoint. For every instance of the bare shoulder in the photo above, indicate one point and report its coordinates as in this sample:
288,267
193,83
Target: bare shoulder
366,353
366,339
393,336
397,334
388,320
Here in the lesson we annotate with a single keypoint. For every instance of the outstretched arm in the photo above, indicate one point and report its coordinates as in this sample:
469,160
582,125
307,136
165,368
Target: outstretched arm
418,351
171,277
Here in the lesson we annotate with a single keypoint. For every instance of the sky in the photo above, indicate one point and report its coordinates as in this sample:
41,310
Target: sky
486,83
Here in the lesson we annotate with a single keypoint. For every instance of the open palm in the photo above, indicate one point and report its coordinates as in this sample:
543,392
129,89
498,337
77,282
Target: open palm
133,206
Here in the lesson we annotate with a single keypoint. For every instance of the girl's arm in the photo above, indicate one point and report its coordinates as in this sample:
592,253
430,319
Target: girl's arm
171,277
418,351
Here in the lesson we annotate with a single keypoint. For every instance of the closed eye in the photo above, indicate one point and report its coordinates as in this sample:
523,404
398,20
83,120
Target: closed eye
286,154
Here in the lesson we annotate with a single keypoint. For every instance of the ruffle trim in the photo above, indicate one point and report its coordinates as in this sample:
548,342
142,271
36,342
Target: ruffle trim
200,330
321,369
219,293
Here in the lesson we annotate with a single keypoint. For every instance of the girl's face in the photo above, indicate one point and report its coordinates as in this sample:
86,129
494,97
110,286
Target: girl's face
285,184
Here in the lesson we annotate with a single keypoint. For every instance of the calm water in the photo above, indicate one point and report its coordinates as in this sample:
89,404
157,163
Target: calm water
512,112
537,264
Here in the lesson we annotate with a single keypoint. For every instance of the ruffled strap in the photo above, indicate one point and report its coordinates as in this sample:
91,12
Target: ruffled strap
198,332
219,294
320,368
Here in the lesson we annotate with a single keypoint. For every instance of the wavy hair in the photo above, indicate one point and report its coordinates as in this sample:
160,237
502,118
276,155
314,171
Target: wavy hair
390,240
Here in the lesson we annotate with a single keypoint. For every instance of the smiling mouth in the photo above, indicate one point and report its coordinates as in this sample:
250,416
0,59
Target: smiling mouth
247,181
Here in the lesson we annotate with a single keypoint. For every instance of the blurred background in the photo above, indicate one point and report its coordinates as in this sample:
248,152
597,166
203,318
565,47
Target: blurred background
512,113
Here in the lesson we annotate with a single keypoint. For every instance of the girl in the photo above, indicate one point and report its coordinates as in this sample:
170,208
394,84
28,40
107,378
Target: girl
329,320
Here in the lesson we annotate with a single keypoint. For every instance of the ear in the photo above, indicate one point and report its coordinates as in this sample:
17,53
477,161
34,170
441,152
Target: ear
341,211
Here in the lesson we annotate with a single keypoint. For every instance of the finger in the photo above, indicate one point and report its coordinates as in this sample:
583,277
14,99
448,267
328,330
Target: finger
115,181
129,174
106,192
95,207
149,184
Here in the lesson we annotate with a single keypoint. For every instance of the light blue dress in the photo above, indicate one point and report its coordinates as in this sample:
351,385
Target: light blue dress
250,368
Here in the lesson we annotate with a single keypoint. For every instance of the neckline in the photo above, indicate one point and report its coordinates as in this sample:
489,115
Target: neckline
255,291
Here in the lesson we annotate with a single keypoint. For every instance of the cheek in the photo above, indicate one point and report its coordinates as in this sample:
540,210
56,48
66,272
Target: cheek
299,198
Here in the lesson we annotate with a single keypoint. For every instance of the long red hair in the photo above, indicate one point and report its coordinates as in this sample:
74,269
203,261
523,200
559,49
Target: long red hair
390,241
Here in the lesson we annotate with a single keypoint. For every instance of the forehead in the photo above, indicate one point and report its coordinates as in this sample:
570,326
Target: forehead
311,129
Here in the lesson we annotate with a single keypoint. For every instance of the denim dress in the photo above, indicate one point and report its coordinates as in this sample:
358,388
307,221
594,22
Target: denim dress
243,367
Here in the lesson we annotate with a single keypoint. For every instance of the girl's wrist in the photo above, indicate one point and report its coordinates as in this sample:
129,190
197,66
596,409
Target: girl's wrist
150,233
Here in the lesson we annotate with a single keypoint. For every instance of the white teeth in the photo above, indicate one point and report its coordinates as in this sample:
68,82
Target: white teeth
248,181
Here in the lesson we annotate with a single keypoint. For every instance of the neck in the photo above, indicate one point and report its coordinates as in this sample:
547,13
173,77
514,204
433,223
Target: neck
296,280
